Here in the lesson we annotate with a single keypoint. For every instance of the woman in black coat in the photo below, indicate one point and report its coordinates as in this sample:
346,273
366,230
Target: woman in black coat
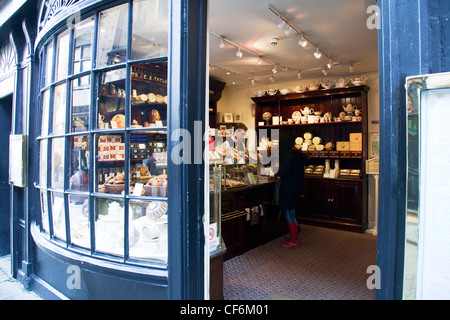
291,173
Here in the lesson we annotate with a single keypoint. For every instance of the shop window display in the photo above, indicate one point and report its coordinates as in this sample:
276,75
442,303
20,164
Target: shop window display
106,140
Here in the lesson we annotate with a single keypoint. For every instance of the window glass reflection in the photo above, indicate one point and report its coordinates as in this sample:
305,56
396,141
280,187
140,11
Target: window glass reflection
57,163
80,104
45,112
58,216
109,228
83,37
148,230
59,110
149,95
79,220
150,28
79,164
43,144
148,164
111,100
48,64
112,36
62,55
44,211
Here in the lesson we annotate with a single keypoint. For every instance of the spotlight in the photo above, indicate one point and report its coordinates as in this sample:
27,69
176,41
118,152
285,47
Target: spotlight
299,75
239,53
330,64
272,79
275,70
317,54
288,30
259,62
281,24
253,82
221,45
303,42
325,72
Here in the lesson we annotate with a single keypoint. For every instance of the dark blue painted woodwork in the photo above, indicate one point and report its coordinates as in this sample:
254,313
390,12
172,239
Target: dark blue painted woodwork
413,40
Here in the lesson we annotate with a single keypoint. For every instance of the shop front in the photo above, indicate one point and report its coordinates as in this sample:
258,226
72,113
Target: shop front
107,198
106,90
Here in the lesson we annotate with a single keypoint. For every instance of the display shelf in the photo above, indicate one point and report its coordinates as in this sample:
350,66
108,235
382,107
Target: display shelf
336,127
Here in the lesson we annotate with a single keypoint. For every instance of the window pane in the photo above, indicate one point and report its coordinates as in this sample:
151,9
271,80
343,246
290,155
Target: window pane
148,230
83,38
112,37
150,28
45,113
109,229
48,64
58,216
79,163
149,95
59,110
79,220
43,163
80,104
62,55
111,99
110,165
44,211
58,163
148,163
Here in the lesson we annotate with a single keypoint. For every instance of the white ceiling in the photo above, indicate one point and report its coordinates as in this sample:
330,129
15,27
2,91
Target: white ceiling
338,27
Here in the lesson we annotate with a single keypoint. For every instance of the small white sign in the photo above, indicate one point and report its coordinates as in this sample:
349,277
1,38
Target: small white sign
212,236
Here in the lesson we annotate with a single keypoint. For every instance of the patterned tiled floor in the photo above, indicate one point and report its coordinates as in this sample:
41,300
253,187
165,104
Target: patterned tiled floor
328,265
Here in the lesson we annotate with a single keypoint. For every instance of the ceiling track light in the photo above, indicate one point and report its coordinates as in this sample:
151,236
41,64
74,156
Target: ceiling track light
330,64
241,48
275,70
253,82
352,68
222,44
300,72
239,53
303,42
288,30
281,24
317,54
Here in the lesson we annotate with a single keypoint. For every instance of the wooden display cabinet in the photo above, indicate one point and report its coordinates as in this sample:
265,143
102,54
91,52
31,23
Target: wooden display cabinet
339,202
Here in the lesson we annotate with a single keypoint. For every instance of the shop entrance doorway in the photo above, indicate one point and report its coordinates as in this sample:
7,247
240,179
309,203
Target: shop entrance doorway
5,130
271,56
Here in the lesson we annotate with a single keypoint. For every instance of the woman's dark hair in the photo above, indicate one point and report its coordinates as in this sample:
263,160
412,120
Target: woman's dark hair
285,145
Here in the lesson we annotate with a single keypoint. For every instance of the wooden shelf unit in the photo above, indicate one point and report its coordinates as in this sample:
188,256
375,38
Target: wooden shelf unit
335,203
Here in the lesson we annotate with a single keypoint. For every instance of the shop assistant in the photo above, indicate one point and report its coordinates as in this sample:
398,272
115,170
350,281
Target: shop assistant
239,133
